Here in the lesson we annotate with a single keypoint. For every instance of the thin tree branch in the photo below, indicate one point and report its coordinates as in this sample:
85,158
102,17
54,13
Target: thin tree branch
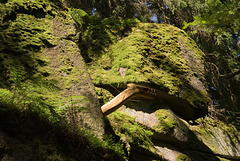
233,74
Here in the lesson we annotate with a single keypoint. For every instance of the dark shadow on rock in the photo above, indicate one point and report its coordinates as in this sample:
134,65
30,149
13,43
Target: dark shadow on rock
197,150
26,136
181,107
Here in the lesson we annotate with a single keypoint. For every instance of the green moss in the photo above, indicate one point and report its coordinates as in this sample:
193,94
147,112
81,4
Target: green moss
210,125
28,34
222,159
4,11
130,132
182,157
167,123
152,53
78,16
103,95
99,34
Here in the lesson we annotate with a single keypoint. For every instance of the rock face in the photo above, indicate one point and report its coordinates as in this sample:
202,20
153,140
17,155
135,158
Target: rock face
163,61
41,62
38,43
67,67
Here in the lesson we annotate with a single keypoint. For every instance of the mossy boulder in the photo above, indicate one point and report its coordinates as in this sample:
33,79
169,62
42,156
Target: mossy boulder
164,124
150,133
135,136
161,134
170,127
160,56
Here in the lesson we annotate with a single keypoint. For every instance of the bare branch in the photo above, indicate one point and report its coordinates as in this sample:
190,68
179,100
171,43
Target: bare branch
233,74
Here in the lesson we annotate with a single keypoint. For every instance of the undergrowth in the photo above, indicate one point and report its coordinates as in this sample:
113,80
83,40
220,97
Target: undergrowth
31,111
51,129
30,127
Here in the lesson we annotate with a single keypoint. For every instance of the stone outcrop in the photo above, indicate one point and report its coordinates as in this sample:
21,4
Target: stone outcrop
160,57
41,62
66,65
156,76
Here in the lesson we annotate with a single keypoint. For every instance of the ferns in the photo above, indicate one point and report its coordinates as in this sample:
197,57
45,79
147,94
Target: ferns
27,92
6,97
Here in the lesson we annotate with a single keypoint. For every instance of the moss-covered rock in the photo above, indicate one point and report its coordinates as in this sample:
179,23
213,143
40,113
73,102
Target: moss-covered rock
220,137
158,55
135,137
171,126
42,72
38,48
165,58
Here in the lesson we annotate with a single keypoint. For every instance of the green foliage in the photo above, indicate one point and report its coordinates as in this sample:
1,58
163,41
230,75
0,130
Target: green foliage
53,140
107,142
78,16
216,30
99,34
219,18
177,4
71,104
28,94
6,97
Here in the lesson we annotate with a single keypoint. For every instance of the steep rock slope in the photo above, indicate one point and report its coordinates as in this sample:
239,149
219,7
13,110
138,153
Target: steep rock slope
44,82
37,43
